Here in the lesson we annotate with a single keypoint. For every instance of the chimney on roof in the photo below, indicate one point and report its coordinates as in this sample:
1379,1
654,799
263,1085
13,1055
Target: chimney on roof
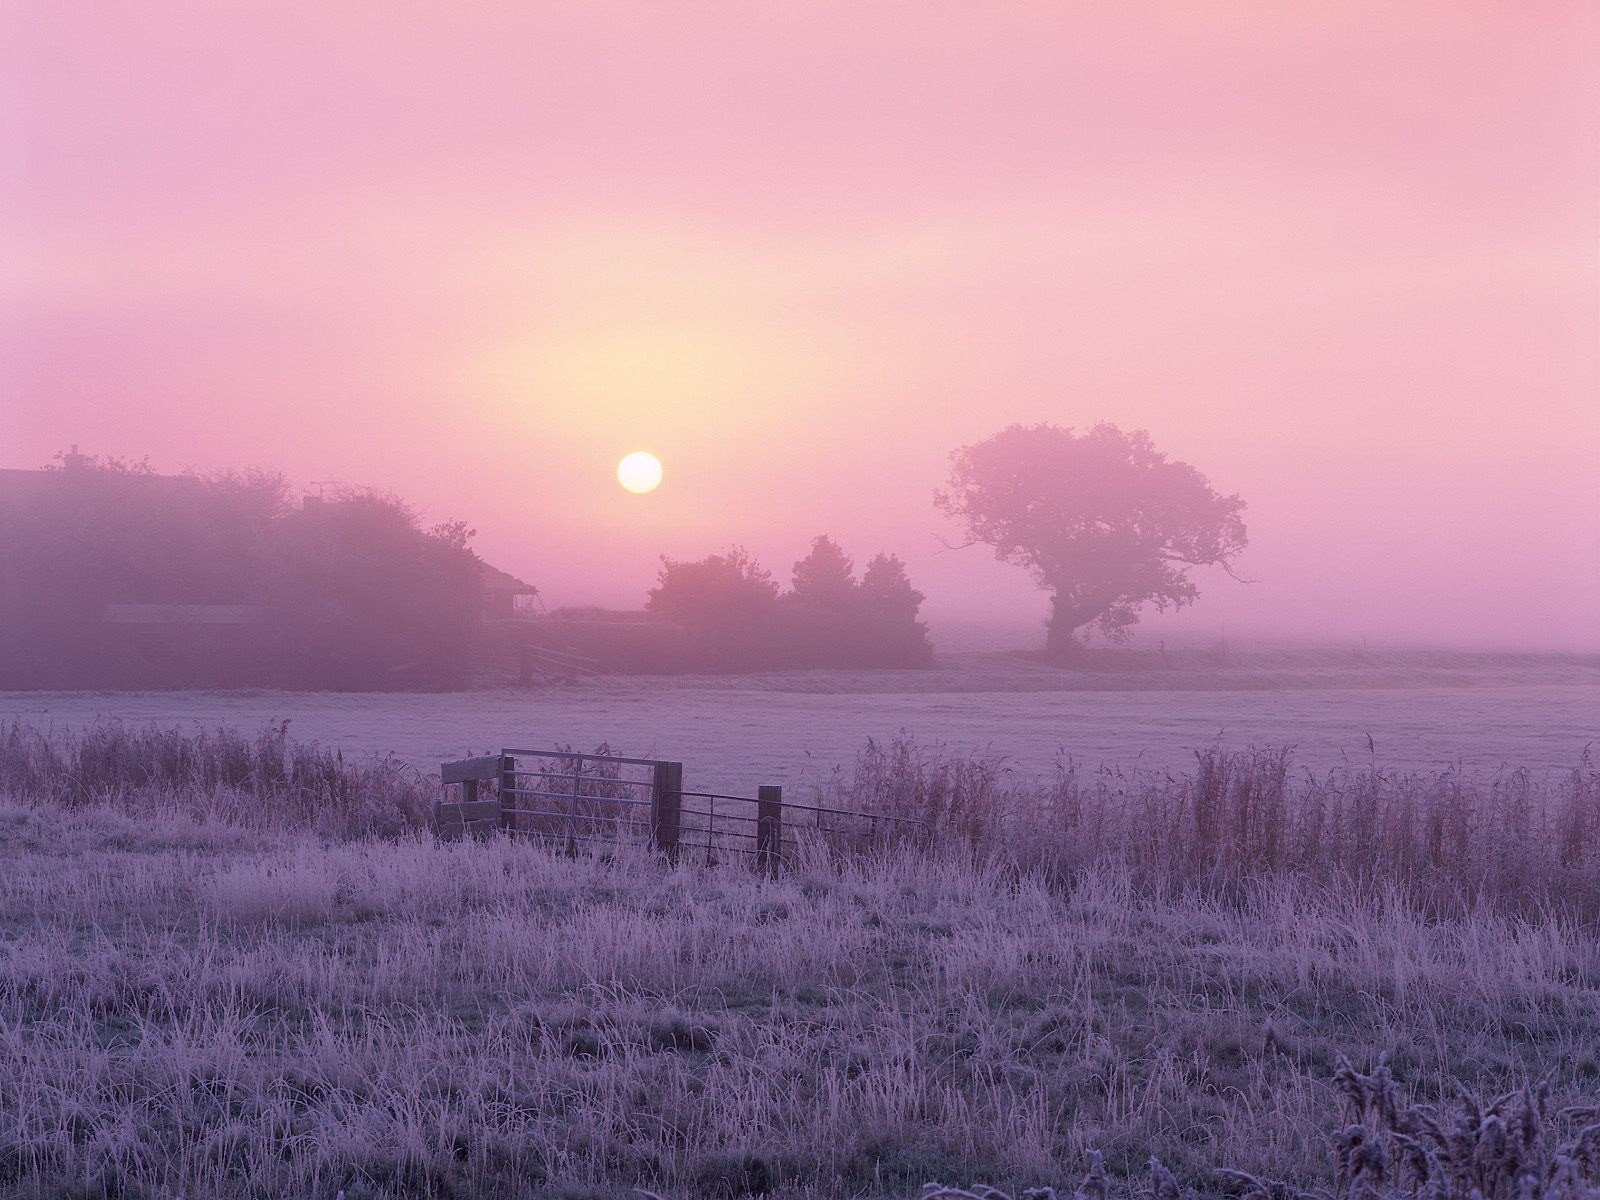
72,460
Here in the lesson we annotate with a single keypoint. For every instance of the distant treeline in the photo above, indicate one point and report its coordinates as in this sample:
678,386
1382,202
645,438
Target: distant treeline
737,618
113,576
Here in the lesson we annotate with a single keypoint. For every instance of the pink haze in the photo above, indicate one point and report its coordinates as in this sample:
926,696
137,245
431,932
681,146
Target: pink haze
1341,257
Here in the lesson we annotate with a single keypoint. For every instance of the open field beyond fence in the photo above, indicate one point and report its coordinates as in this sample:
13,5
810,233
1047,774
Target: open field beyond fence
735,733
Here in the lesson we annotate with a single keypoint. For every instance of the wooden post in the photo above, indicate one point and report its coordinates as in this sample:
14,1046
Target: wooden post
471,814
572,805
769,827
666,806
508,781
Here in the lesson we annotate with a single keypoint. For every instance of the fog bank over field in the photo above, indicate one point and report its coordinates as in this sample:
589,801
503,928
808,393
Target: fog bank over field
794,728
958,630
1340,258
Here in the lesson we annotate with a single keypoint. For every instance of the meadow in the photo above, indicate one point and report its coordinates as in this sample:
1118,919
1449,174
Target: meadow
1423,710
241,966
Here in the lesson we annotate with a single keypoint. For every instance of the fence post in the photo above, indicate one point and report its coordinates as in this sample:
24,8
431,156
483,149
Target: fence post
666,806
508,781
769,827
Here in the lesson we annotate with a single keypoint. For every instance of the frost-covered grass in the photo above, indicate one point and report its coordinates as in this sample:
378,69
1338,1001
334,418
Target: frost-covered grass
1516,840
268,780
201,1005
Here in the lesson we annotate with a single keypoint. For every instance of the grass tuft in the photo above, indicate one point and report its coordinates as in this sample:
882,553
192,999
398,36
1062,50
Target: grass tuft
269,780
1450,841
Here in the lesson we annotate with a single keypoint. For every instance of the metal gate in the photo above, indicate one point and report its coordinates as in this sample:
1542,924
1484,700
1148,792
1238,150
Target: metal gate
569,798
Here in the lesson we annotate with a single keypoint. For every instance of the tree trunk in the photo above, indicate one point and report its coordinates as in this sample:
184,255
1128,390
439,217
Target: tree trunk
1059,638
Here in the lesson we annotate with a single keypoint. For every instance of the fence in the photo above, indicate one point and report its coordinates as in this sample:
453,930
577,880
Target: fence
551,666
572,798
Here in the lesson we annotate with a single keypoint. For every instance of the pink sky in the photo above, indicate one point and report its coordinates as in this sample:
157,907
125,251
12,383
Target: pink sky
1342,258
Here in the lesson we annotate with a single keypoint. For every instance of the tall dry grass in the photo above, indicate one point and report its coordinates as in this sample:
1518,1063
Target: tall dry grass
242,967
270,780
1451,840
203,1009
1513,1147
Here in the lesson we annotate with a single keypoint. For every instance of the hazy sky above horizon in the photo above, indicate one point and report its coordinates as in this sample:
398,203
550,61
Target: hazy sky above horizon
1343,258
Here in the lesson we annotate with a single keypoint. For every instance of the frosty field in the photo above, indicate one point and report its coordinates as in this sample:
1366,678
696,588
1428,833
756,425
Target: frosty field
227,970
281,983
1473,712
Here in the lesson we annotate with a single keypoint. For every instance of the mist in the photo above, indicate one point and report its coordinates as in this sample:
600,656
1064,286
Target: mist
1343,262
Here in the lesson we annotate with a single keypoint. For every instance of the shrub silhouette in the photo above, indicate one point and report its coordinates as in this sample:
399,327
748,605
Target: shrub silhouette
357,594
726,602
889,615
91,534
361,595
738,620
822,611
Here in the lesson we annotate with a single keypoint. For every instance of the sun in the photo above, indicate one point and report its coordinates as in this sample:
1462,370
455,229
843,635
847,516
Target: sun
639,472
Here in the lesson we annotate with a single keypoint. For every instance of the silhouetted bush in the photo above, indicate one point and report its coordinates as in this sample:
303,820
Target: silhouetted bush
889,607
76,539
360,595
736,618
821,614
349,591
726,602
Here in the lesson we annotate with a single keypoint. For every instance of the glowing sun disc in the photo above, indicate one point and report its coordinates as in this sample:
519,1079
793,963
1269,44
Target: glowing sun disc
639,472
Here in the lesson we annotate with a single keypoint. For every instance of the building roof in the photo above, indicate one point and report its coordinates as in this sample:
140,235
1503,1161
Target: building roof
496,580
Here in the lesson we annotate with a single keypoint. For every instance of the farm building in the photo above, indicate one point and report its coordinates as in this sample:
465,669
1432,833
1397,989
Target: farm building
505,596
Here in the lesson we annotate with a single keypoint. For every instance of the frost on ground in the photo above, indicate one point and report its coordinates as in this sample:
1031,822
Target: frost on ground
203,1007
1423,710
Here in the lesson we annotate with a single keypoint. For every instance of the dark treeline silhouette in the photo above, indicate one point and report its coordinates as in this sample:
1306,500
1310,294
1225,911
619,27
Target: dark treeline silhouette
113,575
737,618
